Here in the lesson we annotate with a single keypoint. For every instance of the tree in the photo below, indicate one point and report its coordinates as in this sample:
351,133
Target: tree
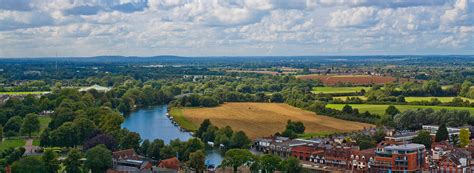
28,165
203,128
277,98
50,158
108,140
423,137
144,147
237,157
13,124
85,128
365,142
192,145
154,149
379,135
64,136
297,127
72,162
454,139
465,87
392,111
1,133
110,122
239,140
291,164
131,140
30,124
442,133
464,135
347,109
44,138
269,163
98,159
196,161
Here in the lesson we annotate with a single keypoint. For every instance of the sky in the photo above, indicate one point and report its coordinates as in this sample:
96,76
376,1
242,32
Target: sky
48,28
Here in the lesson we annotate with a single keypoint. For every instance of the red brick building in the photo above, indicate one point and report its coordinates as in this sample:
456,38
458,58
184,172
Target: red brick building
399,158
303,152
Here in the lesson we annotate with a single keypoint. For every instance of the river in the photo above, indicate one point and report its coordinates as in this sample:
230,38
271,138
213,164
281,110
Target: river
152,123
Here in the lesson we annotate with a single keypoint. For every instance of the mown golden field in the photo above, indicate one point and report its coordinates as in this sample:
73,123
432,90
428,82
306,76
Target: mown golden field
264,119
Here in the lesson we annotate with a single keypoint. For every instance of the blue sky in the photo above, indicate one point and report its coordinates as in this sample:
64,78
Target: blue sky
39,28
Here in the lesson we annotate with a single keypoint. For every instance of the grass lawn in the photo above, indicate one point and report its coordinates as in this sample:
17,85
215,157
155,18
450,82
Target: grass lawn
412,99
44,122
36,142
337,90
264,119
177,114
380,109
344,98
9,143
442,99
24,93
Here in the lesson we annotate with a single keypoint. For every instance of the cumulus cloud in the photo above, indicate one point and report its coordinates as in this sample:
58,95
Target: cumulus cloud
235,27
354,17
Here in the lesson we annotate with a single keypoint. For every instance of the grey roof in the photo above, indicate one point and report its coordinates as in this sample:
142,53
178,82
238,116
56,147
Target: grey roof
405,147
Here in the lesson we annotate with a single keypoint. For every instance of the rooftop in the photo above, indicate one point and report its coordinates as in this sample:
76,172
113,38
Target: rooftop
405,147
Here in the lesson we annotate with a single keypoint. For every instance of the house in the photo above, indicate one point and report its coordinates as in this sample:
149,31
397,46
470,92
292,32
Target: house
401,136
125,154
171,163
337,157
129,161
304,152
456,161
362,160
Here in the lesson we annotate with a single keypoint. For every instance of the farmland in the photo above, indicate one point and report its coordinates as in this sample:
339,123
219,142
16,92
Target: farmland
380,109
338,90
24,93
264,119
352,79
413,99
441,99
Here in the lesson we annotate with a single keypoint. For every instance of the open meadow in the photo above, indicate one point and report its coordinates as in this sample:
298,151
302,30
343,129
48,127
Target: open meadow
352,79
380,109
338,90
264,119
24,93
413,99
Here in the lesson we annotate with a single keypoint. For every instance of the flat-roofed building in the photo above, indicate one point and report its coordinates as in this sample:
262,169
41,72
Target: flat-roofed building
399,158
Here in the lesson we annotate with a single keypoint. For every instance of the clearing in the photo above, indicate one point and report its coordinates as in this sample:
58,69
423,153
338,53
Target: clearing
380,109
353,79
338,90
24,93
413,99
264,119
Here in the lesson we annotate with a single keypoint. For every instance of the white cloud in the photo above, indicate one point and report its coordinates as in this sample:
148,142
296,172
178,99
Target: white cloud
354,17
235,27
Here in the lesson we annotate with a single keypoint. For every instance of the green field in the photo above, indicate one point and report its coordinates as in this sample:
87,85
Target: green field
380,109
338,90
177,114
24,93
9,143
412,99
344,98
442,99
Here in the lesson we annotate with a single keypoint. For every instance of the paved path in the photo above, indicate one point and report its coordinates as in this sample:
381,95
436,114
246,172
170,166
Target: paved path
29,146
